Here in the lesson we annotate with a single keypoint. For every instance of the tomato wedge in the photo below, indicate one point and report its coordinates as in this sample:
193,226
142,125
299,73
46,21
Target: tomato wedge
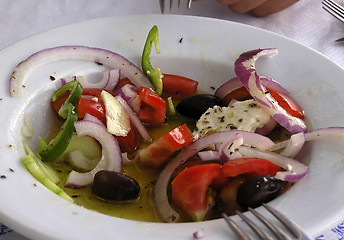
130,142
190,188
287,104
239,94
157,153
284,101
87,104
153,107
253,166
178,86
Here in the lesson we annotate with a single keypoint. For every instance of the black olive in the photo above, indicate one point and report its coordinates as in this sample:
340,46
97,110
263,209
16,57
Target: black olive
115,186
196,105
258,190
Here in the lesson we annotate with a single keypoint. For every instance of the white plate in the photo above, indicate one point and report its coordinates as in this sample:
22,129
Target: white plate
200,48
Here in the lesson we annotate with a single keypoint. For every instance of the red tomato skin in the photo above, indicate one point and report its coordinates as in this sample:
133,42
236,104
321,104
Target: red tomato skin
287,104
239,94
91,105
153,107
190,187
157,153
121,83
130,142
253,166
178,86
284,101
94,91
87,104
58,102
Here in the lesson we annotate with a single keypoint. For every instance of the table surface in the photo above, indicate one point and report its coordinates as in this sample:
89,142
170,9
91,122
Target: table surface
305,22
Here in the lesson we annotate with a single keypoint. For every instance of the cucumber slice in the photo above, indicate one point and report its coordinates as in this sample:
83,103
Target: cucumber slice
46,168
89,147
35,169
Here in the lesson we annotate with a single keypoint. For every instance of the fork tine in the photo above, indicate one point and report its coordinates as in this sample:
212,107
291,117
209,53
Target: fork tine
189,3
162,6
253,226
236,229
334,9
275,230
293,228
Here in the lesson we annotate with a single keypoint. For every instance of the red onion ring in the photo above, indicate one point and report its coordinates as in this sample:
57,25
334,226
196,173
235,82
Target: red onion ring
92,118
295,170
235,83
128,92
246,72
98,55
330,133
111,154
209,155
109,80
295,145
112,77
228,148
78,180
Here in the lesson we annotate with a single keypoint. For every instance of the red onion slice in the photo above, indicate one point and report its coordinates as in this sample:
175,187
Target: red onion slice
92,118
209,155
228,148
267,128
227,87
112,77
164,209
135,119
246,72
128,92
295,170
295,145
235,83
78,180
98,55
111,154
330,133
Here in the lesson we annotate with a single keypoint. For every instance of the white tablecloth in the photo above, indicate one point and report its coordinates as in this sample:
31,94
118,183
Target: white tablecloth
305,22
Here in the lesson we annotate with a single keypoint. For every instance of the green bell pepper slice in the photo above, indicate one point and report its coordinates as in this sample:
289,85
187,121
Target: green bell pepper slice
154,75
76,91
50,152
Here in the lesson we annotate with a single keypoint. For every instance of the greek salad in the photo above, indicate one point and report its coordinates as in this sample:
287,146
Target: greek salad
140,138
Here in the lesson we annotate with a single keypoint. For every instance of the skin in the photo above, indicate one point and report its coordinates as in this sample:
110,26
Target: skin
258,8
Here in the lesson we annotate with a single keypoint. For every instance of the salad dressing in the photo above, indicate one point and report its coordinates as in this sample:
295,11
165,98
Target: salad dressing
142,209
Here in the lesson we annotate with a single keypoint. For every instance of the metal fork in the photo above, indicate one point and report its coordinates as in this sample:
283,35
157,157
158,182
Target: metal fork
334,9
295,231
162,4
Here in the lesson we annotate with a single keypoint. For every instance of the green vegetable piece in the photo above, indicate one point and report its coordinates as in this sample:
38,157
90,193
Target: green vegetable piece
45,167
34,168
50,152
171,108
154,75
76,91
89,147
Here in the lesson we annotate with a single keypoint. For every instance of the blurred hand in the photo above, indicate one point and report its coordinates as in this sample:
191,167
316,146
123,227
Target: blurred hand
259,8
